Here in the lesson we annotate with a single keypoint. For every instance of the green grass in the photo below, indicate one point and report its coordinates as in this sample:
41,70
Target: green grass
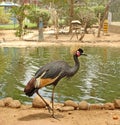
7,27
12,26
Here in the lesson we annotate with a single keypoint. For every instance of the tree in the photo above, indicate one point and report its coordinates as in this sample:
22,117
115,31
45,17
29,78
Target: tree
104,16
35,13
99,11
71,13
86,16
20,13
114,8
64,8
4,17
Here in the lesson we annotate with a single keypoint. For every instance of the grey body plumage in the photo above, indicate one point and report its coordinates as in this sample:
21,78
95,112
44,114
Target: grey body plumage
51,73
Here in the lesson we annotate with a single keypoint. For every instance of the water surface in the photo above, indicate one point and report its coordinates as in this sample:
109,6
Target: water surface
98,79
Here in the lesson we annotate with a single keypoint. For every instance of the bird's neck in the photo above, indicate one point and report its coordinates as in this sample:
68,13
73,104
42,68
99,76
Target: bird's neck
76,66
77,63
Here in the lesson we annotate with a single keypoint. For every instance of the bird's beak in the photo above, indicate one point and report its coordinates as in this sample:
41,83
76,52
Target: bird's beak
84,54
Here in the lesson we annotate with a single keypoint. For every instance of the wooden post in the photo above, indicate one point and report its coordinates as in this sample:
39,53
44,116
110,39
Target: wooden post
40,38
105,27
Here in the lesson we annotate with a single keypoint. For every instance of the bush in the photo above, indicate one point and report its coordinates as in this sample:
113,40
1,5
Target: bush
35,13
85,16
99,10
4,17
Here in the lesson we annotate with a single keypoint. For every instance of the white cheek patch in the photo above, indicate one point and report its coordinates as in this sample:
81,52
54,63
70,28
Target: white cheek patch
37,83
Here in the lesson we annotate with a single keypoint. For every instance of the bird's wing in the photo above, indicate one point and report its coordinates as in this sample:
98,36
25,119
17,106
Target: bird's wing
51,70
39,72
48,74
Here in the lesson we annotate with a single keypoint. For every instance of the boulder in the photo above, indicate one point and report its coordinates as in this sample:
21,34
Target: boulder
71,103
7,101
15,104
117,103
95,106
83,105
109,106
58,105
38,102
2,104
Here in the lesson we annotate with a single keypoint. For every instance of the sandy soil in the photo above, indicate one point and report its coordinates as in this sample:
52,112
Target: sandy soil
31,116
26,115
8,39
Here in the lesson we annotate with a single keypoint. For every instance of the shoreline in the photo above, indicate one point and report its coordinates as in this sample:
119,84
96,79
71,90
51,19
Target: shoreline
23,44
8,39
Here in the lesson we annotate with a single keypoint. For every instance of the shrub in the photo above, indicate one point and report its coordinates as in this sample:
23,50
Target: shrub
4,17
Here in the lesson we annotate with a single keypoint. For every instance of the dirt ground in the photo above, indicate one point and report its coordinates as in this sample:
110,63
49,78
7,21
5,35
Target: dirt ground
26,115
32,116
8,39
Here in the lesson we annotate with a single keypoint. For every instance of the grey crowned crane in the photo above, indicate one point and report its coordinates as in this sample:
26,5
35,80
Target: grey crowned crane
50,74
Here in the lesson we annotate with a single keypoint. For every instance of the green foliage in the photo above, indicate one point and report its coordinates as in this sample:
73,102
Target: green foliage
63,9
36,13
99,10
85,15
20,13
4,17
56,3
61,22
45,15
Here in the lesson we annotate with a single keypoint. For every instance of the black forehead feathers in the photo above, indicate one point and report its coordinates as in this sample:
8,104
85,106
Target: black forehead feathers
80,50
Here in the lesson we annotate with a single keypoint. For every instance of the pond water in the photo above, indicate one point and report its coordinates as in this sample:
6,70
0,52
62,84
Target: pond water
97,81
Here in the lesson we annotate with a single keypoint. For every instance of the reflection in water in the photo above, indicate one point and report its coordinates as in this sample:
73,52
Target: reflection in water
96,81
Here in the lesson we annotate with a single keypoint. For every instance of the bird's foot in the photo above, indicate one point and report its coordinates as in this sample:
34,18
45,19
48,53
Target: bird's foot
53,116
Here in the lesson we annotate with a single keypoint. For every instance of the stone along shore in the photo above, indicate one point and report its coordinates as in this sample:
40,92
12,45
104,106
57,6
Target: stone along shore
68,105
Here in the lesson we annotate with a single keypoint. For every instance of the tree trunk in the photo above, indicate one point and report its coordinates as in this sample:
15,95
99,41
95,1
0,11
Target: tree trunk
19,31
56,25
83,34
104,16
71,14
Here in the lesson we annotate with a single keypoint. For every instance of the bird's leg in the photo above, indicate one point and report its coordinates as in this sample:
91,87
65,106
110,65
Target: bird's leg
52,99
49,108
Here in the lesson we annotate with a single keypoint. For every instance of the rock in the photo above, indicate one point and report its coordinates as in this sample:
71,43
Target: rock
109,106
7,101
83,105
15,104
115,117
38,102
66,108
95,106
117,103
2,104
71,103
58,105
